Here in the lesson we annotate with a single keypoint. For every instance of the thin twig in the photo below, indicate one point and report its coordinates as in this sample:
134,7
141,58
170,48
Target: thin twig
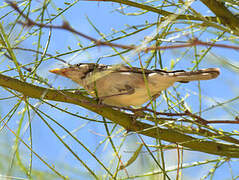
66,26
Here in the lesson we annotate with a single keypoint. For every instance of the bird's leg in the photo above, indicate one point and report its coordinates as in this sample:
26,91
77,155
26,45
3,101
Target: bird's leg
154,97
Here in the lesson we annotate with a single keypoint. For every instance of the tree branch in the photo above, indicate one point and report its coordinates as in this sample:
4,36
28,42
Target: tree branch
121,118
225,16
161,11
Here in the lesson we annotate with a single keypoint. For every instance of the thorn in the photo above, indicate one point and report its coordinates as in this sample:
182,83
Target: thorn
66,25
236,118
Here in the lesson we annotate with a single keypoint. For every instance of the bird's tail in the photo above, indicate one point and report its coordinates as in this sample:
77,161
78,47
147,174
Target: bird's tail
203,74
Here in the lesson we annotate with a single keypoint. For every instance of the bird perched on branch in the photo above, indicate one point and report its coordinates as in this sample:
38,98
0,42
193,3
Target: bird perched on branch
124,86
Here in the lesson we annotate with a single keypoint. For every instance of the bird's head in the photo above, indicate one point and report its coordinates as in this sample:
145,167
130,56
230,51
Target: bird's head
75,72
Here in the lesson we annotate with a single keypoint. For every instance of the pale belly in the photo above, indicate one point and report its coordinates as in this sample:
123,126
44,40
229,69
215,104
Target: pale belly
138,98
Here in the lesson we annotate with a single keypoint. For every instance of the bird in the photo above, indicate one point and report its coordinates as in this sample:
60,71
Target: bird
125,86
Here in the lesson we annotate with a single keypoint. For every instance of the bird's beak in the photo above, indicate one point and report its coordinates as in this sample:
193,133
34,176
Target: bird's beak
59,71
